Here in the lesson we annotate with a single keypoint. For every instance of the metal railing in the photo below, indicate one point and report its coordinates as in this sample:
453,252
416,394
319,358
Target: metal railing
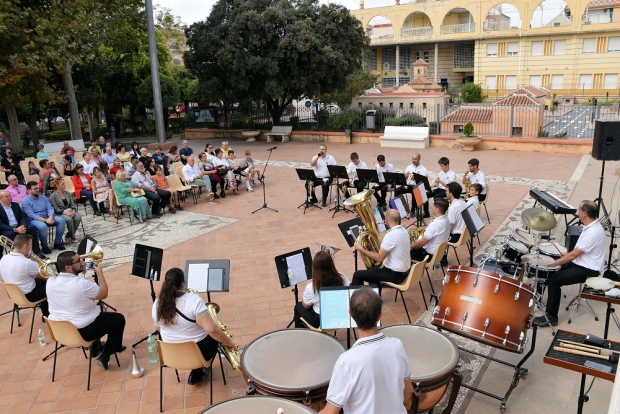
490,26
596,18
458,28
418,31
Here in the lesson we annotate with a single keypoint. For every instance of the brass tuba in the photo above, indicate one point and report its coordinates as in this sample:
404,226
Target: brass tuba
232,354
47,268
370,238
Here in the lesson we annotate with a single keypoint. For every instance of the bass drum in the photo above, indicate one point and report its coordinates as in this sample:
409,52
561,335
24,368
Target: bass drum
486,307
257,404
433,359
295,364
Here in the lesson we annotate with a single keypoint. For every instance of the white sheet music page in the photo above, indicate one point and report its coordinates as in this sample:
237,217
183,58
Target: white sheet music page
198,276
296,264
400,207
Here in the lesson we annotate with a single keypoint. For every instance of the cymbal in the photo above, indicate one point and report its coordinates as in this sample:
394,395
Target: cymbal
536,259
538,219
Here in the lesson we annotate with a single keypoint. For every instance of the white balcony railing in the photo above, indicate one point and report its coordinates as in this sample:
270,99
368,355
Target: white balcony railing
458,28
490,26
596,18
418,31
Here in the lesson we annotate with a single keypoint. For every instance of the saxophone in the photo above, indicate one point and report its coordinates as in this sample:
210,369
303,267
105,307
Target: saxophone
370,238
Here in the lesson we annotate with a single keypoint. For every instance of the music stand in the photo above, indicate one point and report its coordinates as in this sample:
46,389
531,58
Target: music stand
147,265
207,276
474,225
310,178
420,197
338,172
395,179
300,264
368,175
400,203
345,229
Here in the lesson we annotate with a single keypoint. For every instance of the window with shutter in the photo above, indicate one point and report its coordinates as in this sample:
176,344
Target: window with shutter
491,82
585,81
557,81
610,81
511,82
613,44
537,48
492,50
589,45
535,80
513,49
559,47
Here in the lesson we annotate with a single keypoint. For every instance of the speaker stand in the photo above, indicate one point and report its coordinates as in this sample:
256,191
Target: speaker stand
600,188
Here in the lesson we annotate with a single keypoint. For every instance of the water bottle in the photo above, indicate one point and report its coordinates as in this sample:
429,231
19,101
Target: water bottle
289,272
41,337
152,347
437,267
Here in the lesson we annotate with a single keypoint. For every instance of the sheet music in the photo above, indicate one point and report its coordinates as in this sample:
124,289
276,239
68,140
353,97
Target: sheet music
419,194
89,245
379,220
335,309
296,264
198,276
400,207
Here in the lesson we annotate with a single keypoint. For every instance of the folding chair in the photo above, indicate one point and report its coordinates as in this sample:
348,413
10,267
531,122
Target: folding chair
21,302
175,183
415,276
464,239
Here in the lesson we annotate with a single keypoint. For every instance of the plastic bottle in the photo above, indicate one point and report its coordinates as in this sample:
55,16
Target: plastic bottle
41,336
152,347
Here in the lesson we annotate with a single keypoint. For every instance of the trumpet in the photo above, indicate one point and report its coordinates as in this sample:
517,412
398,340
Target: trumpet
47,268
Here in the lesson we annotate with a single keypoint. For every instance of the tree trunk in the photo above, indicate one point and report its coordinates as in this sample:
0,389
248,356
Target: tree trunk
34,135
14,138
91,124
74,113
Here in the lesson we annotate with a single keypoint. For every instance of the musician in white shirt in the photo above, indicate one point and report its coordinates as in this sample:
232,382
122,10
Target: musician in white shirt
354,180
585,260
455,216
319,164
476,176
446,176
437,232
414,168
474,191
382,188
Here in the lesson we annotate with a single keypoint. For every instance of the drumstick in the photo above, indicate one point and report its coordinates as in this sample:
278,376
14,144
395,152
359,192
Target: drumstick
587,346
610,358
600,351
558,250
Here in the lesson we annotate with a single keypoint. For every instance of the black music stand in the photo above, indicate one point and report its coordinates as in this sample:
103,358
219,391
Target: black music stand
338,172
86,246
394,179
216,275
147,265
368,175
282,266
420,197
474,225
345,229
310,178
262,181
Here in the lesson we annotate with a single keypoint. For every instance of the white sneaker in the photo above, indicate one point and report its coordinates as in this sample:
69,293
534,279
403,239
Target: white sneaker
250,189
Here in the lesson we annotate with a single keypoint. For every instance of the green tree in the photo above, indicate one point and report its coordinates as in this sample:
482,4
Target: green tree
274,50
170,94
471,93
357,83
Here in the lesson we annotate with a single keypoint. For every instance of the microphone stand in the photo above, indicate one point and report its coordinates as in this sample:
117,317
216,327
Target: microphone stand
155,332
262,181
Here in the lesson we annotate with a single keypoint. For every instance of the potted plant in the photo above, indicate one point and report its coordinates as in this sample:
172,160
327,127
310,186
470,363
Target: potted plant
251,133
467,139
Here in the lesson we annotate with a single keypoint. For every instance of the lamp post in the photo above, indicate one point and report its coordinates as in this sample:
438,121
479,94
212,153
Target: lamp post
348,130
160,128
113,135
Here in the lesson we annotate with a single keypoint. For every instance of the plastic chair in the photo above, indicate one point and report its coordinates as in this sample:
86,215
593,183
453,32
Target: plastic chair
70,188
33,177
119,204
66,334
464,239
415,276
186,356
435,260
21,302
175,183
178,166
484,203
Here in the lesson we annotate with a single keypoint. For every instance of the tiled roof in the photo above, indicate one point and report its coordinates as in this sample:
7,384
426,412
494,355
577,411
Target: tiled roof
470,114
536,91
420,62
518,99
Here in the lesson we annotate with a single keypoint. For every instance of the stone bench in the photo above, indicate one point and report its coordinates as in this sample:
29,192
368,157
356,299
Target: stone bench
283,131
405,137
55,147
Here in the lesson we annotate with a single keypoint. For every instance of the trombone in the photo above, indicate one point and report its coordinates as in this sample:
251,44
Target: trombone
47,268
96,254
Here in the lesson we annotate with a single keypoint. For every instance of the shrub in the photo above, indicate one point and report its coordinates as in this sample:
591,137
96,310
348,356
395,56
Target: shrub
468,129
405,120
433,127
471,92
59,135
251,124
295,122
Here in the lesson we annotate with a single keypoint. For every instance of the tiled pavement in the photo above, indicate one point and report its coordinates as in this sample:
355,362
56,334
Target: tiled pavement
256,304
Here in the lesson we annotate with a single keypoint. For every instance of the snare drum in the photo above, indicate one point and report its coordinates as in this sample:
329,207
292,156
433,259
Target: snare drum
485,307
544,271
257,404
551,249
513,250
433,359
295,364
523,237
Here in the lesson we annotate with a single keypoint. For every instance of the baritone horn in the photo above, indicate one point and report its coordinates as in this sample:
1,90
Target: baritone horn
232,354
329,249
370,238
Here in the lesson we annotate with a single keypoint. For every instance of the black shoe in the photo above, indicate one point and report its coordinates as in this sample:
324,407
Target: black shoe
156,215
426,215
97,213
443,262
223,194
197,375
97,349
384,207
46,250
324,204
215,196
105,210
314,200
541,321
103,360
59,246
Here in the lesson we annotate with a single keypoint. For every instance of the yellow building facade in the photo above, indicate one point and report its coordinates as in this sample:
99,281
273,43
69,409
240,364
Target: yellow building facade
570,48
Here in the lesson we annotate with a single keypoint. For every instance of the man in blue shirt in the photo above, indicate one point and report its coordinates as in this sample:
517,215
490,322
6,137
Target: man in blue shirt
108,156
41,215
185,152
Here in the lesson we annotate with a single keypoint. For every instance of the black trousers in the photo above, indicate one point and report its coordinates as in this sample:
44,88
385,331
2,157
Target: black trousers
482,197
376,276
358,184
324,183
39,293
570,274
110,323
309,315
158,198
436,193
418,254
380,192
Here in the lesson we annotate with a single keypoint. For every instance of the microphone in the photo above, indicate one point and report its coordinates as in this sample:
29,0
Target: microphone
271,149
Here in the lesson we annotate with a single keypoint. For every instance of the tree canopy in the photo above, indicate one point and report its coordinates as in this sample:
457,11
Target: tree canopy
274,50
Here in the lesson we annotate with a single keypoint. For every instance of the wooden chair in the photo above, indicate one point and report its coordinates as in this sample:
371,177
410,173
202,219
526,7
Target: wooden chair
175,183
32,177
435,260
186,356
464,239
415,276
484,203
119,204
66,334
70,188
21,302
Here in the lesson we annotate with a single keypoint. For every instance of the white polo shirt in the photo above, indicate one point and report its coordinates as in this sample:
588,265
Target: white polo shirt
478,179
312,297
17,269
192,306
352,168
190,173
386,168
370,377
592,243
88,167
455,217
320,169
72,298
420,169
446,177
473,201
396,242
437,232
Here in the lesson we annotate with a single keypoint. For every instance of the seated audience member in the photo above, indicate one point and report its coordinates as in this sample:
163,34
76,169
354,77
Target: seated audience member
162,182
41,215
185,152
32,169
135,149
168,168
108,156
8,165
158,156
373,376
250,168
144,156
210,153
53,167
88,163
71,155
45,173
117,147
19,269
225,148
95,156
352,172
382,188
437,232
101,191
181,316
150,166
93,144
13,221
66,148
105,170
122,154
16,190
211,175
324,274
476,176
128,194
83,187
224,171
116,167
446,176
158,197
233,162
101,144
474,191
41,154
73,298
194,176
130,168
173,154
67,168
64,206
